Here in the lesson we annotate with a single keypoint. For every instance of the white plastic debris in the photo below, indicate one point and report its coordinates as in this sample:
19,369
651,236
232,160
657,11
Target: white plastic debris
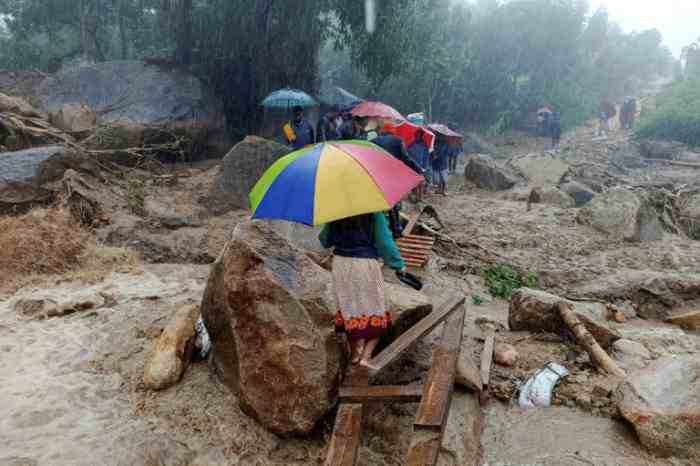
203,343
537,391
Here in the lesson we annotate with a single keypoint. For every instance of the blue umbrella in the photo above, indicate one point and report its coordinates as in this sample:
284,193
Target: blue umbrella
288,98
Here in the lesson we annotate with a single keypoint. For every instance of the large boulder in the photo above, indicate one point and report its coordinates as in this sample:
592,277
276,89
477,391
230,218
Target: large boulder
656,294
17,105
623,215
668,150
269,310
540,169
630,354
552,196
147,94
74,117
487,175
27,175
241,168
580,193
662,402
536,310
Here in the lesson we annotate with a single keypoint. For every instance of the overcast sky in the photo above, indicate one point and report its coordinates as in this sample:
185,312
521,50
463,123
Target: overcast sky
678,20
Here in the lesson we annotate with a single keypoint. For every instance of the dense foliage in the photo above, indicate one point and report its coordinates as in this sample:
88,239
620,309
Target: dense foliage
488,63
677,114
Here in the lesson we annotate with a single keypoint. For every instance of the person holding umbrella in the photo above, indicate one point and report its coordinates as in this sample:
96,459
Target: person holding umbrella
298,131
441,156
419,153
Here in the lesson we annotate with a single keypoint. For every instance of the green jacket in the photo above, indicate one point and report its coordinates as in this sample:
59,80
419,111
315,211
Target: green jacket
383,241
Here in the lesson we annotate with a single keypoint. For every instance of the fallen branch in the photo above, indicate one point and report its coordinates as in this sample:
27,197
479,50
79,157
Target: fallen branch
598,355
675,162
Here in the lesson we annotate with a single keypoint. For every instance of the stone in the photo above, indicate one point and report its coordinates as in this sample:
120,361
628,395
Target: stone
487,175
74,117
468,374
580,193
662,402
240,170
668,150
269,310
26,175
623,215
536,310
630,354
656,294
41,305
10,104
505,354
552,196
686,320
171,354
540,169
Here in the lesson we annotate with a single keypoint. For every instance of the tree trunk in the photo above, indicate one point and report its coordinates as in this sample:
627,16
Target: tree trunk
184,33
122,30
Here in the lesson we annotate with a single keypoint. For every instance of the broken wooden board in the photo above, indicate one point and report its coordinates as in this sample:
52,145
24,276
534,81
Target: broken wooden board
385,393
415,249
408,338
437,393
346,436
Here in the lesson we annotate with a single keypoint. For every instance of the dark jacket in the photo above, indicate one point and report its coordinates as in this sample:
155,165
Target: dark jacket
304,133
440,156
396,147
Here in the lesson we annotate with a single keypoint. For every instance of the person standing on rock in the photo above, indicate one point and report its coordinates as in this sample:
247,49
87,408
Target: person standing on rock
299,132
358,243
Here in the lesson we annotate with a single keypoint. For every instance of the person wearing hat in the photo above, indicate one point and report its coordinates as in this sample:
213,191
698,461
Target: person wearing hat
298,131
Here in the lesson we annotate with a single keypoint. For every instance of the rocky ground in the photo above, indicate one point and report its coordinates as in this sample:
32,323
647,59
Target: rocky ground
603,226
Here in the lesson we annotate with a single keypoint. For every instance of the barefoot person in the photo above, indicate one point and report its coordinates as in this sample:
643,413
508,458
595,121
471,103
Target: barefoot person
358,243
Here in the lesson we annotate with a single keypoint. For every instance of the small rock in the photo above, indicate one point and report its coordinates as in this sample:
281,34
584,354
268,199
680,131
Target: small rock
552,196
172,353
505,354
584,401
580,193
603,389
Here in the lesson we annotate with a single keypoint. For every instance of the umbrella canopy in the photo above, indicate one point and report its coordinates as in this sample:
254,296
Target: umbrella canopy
408,131
444,130
369,109
330,181
288,98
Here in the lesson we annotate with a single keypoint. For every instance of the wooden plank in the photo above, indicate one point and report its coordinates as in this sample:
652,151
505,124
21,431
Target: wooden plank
386,393
412,220
418,240
403,342
410,247
437,393
346,436
487,359
424,450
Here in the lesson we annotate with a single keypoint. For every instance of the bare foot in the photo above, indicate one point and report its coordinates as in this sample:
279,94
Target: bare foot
357,351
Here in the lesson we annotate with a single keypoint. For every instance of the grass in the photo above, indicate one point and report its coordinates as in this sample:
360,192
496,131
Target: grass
501,281
477,300
47,243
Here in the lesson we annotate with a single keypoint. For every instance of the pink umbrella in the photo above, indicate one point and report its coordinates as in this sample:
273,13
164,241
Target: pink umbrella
377,110
408,131
444,130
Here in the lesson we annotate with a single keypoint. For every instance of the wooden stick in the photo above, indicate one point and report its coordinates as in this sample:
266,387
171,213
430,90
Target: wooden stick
386,393
588,342
487,359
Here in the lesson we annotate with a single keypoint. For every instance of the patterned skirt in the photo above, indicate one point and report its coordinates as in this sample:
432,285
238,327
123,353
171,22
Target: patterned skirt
360,298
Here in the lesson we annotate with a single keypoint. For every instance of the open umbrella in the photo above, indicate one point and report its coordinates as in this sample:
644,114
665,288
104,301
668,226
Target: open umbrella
288,98
369,109
444,130
330,181
408,131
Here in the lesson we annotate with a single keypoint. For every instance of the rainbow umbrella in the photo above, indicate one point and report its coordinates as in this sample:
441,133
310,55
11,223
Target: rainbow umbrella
330,181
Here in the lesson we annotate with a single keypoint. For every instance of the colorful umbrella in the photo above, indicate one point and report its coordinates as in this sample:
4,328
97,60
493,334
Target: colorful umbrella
444,130
330,181
370,109
408,131
288,98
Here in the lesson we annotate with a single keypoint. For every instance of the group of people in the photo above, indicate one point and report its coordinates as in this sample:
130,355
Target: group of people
358,243
608,110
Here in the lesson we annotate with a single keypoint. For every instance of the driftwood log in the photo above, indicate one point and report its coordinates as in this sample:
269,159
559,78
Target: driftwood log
601,358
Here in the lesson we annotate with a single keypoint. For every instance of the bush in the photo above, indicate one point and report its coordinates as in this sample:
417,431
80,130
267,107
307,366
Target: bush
677,114
501,281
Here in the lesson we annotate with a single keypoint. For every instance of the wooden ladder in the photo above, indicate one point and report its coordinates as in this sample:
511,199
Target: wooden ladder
434,397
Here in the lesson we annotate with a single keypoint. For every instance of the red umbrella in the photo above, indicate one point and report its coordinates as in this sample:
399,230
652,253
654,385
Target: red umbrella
376,110
408,131
444,130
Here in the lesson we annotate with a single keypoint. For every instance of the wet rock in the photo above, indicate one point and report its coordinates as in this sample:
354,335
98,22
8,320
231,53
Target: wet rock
166,362
10,104
580,193
461,442
630,354
662,402
540,169
689,215
536,310
505,354
468,374
668,150
552,196
622,215
686,320
487,175
73,118
656,294
26,175
240,170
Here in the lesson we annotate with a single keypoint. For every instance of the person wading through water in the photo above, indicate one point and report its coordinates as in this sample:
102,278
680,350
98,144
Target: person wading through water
358,243
299,132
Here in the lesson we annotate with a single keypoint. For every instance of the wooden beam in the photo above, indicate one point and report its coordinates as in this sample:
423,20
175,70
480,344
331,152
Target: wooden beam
437,393
386,393
424,449
346,436
487,359
422,328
